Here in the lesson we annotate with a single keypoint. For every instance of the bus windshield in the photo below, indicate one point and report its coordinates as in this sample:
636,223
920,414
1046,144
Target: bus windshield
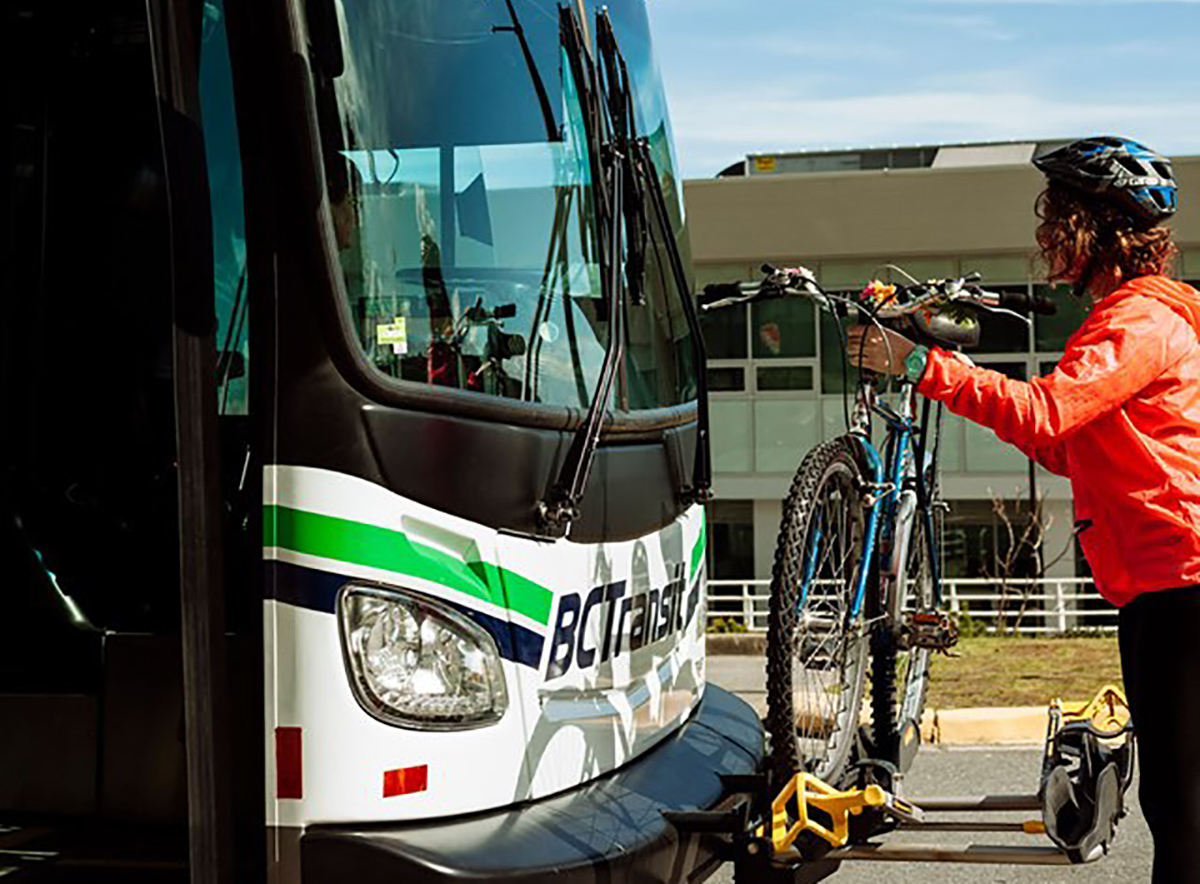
461,195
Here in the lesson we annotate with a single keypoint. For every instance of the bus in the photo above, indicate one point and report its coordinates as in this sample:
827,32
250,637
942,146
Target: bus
354,448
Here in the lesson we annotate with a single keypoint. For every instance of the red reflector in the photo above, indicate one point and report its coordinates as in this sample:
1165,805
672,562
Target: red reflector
289,763
405,780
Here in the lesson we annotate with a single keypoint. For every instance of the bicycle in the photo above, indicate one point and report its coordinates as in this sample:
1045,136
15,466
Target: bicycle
856,584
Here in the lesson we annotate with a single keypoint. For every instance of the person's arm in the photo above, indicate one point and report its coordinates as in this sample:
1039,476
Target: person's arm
1113,357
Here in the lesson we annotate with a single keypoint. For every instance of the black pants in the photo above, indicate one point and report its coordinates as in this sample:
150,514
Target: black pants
1160,660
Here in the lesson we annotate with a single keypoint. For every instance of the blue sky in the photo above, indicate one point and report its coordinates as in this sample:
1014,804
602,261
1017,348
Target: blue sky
805,74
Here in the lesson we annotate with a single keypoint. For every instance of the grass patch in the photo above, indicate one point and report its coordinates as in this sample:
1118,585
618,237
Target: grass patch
1023,671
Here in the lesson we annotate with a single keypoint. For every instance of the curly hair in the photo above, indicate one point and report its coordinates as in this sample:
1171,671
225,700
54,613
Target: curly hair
1083,238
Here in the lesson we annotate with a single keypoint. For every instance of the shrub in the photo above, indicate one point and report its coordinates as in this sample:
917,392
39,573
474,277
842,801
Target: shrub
726,625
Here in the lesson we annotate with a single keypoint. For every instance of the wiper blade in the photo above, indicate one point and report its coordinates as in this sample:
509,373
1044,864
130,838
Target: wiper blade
619,97
561,505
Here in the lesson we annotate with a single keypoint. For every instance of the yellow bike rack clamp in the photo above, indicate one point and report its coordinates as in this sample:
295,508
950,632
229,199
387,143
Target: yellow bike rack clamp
1108,711
810,791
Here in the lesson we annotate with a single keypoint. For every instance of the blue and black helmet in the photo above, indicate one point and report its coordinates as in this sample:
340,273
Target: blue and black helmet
1128,174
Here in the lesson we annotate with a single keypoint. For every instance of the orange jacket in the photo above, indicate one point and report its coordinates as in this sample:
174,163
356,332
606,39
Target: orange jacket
1120,416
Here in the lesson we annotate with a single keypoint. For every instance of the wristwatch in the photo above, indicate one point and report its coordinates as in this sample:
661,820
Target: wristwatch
914,363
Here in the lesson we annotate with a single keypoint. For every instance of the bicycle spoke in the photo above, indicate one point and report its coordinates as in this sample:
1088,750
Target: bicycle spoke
819,666
821,674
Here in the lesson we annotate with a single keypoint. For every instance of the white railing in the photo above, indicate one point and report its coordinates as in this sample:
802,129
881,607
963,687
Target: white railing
1050,606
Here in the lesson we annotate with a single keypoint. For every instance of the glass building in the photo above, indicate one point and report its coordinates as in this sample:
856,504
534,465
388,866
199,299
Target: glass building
775,368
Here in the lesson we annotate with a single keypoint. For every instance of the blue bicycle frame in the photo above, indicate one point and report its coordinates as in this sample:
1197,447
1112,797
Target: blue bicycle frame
900,449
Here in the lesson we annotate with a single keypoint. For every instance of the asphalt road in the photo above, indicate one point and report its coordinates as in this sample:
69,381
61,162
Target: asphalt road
964,771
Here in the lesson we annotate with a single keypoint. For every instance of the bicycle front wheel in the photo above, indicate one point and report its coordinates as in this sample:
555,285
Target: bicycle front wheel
816,653
900,675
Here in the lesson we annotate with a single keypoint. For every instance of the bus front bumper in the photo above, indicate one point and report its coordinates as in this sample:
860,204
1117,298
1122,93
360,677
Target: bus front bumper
610,829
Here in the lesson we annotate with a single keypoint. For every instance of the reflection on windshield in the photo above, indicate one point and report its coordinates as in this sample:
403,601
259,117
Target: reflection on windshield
463,207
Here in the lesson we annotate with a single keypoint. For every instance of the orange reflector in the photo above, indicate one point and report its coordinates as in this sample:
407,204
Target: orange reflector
289,763
405,780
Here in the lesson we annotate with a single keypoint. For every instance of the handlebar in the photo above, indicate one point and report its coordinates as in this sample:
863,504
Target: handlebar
905,300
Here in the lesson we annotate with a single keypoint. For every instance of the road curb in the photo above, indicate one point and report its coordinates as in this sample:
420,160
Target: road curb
981,726
991,726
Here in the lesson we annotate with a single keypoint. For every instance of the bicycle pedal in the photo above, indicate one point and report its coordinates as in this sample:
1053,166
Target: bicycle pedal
930,629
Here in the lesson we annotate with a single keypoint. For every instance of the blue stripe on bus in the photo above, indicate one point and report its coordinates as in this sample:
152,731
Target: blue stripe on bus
317,590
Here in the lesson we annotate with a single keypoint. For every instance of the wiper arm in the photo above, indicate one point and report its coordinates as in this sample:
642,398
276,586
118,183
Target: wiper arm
645,186
644,169
625,179
539,86
561,505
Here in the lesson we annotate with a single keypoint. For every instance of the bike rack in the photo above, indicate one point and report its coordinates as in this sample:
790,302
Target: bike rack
803,833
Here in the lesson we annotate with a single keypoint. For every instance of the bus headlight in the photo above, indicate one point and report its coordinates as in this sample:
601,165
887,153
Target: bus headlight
416,663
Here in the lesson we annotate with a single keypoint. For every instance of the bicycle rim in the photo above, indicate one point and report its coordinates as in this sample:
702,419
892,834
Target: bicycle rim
816,655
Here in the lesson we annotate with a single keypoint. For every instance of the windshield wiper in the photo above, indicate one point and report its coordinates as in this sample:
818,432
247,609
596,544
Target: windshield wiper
625,179
539,86
561,505
644,185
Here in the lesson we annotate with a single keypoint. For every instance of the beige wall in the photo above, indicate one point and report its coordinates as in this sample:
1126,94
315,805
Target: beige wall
906,212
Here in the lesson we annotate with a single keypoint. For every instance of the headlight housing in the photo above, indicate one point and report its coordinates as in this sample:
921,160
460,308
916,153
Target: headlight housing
418,663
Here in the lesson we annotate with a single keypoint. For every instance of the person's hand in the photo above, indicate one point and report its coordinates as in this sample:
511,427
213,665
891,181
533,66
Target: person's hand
870,346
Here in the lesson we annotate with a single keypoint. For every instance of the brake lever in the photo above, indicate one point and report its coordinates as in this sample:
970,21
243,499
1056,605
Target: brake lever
766,291
1004,311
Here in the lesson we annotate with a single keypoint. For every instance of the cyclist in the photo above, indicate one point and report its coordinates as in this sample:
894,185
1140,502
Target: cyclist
1120,416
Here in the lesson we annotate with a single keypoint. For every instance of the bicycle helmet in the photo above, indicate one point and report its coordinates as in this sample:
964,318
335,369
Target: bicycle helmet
1127,174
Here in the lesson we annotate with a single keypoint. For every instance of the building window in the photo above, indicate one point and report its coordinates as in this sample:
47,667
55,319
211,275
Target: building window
770,347
731,539
1051,332
1000,333
977,542
726,379
725,333
837,373
784,328
788,377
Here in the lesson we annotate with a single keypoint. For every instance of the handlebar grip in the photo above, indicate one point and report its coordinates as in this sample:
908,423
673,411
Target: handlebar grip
1044,306
1020,302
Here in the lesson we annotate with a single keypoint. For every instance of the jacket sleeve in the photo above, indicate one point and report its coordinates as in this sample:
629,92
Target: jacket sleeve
1053,458
1118,351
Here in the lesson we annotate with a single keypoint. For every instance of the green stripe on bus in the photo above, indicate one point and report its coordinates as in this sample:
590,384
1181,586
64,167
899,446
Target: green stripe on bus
374,547
698,549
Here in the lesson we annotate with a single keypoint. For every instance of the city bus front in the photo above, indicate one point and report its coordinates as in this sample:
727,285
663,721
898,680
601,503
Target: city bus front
480,409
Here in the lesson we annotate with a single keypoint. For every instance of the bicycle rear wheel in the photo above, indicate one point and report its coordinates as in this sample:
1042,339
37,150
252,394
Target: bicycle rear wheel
816,653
